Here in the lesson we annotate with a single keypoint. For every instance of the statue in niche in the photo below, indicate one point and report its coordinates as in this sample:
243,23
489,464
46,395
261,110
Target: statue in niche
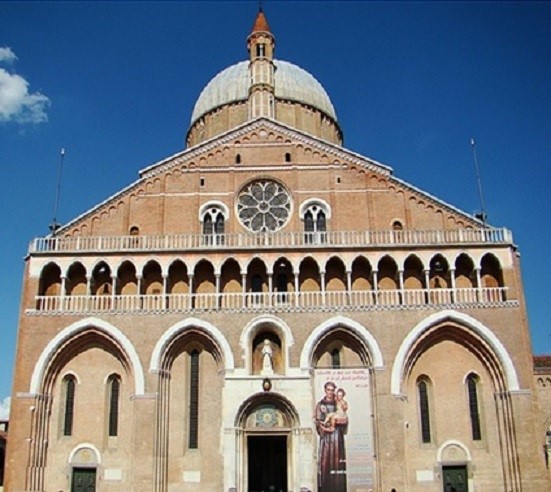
267,358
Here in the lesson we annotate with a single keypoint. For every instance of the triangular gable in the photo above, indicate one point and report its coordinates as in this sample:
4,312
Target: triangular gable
337,152
228,137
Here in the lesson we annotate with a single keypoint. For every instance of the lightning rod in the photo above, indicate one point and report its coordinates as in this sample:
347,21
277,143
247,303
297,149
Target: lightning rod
55,225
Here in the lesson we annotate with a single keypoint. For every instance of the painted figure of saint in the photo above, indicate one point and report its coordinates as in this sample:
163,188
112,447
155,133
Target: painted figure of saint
331,425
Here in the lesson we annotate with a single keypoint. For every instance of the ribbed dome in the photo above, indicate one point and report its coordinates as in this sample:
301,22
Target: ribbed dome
291,83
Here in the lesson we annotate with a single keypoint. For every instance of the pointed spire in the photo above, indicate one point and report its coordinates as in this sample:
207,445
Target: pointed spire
260,23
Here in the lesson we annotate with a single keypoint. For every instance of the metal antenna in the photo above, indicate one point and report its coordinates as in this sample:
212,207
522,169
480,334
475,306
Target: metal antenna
482,214
55,225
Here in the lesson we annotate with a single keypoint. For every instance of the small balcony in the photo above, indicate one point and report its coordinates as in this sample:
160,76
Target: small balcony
274,302
269,241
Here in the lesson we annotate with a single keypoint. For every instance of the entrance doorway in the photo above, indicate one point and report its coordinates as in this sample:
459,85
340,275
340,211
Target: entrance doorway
84,480
267,463
455,479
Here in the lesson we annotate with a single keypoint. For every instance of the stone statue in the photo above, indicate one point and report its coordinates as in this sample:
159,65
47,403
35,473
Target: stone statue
267,358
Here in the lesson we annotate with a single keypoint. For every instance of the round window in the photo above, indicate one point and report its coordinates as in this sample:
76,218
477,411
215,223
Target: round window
263,206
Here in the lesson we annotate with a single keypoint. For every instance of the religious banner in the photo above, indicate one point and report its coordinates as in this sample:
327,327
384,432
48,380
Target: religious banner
344,425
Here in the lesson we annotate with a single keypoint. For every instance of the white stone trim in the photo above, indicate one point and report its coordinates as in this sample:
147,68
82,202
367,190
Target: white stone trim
221,206
181,326
469,323
86,445
357,328
248,332
320,202
452,442
72,331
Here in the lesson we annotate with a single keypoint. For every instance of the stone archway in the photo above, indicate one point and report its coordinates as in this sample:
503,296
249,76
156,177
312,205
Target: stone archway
269,442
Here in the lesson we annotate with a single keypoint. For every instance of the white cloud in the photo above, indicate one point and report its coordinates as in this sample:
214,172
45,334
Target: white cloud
17,104
5,409
7,55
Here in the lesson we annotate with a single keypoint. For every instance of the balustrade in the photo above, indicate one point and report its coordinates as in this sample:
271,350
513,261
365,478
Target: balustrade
274,240
367,299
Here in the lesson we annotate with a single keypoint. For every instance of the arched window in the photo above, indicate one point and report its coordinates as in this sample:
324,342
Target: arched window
69,404
213,216
308,223
207,225
260,50
193,440
314,213
474,414
113,385
397,226
424,413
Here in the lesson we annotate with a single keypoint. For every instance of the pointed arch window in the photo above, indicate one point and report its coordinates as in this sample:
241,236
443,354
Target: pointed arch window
424,410
193,400
314,214
113,385
69,384
213,216
474,414
207,225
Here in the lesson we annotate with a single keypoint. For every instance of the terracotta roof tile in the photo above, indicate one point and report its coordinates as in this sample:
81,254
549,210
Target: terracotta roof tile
260,23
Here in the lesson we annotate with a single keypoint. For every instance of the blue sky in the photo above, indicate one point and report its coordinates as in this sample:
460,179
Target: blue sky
114,83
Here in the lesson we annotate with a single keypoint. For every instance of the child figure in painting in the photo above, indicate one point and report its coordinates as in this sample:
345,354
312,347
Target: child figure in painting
340,413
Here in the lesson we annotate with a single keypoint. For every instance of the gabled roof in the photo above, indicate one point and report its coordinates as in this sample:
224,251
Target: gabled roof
338,152
292,133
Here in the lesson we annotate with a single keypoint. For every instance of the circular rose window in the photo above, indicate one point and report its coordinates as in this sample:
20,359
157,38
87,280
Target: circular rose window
263,206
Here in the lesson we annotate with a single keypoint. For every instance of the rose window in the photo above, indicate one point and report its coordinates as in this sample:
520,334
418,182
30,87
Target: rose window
263,206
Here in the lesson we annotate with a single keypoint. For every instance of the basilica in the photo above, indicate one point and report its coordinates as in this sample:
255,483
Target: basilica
269,311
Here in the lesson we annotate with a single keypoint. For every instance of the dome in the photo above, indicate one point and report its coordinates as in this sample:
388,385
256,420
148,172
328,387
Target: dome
291,83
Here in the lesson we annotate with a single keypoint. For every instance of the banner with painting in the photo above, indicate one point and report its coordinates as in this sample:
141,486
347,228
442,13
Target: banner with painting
343,422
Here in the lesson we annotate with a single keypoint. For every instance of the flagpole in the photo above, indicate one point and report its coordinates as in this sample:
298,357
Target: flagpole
482,215
54,226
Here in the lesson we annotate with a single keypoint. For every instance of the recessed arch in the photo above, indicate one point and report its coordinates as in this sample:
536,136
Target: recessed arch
452,442
74,330
84,445
468,323
314,202
271,398
182,326
360,331
259,323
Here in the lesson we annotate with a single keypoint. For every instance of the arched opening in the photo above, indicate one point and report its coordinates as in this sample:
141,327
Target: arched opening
267,353
204,285
439,281
127,280
465,277
343,395
189,382
50,281
362,282
283,281
413,281
257,283
387,274
309,282
266,424
230,284
491,278
101,282
178,285
75,283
